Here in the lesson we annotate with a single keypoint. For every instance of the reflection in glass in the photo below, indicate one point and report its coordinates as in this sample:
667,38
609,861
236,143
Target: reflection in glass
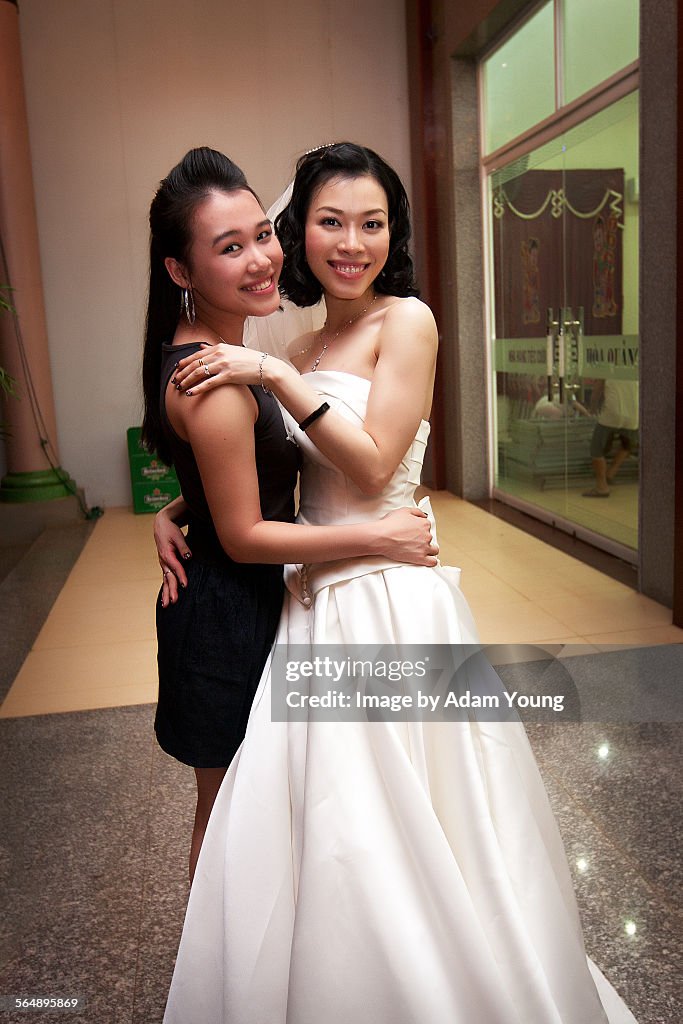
564,260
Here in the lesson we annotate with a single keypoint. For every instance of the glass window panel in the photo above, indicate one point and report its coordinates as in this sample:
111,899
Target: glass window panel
540,260
600,38
519,80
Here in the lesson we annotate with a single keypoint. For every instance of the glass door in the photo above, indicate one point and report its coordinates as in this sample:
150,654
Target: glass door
564,266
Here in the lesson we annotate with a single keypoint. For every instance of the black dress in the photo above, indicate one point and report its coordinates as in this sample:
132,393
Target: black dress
214,641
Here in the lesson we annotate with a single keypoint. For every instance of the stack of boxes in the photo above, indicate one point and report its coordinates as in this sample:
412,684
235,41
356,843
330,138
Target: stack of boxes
154,483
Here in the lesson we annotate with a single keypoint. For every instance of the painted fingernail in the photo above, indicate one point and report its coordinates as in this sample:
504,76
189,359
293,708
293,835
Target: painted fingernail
184,586
178,387
188,392
188,554
176,364
172,380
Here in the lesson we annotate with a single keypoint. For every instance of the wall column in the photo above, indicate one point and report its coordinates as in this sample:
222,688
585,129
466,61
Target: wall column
658,326
32,457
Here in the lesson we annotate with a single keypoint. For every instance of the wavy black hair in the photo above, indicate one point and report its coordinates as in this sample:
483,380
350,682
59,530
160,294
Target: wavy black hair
200,172
343,160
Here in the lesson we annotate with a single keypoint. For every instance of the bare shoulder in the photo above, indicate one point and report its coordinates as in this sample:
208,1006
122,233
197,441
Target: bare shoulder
412,313
409,327
223,410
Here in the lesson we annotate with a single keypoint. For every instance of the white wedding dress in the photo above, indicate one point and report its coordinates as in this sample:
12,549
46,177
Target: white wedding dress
381,873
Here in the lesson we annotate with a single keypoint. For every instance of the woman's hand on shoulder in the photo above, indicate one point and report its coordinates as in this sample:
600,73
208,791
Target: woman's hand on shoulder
220,364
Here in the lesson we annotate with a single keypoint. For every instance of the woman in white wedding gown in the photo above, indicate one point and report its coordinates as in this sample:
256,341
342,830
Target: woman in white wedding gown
374,872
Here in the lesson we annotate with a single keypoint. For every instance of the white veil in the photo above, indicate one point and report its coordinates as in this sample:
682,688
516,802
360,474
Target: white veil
275,333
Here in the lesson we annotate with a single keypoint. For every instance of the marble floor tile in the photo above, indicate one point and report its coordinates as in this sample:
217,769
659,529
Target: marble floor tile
128,567
96,836
567,586
645,635
518,622
645,967
92,614
574,646
166,887
484,586
29,590
632,794
80,700
610,612
75,795
82,677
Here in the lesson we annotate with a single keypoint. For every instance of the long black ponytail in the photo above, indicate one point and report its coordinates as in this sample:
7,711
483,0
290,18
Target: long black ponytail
200,172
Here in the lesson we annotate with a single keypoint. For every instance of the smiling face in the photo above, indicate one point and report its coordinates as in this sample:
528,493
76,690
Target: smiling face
347,235
234,259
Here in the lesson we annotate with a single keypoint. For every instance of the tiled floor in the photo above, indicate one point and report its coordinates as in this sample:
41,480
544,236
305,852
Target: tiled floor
96,818
97,647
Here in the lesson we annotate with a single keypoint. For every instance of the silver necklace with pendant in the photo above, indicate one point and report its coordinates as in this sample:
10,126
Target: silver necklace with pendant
344,326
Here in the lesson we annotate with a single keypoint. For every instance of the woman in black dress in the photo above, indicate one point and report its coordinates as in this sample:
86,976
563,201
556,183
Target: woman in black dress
214,253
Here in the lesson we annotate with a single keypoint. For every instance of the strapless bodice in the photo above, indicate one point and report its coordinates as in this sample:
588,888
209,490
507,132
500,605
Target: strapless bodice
326,494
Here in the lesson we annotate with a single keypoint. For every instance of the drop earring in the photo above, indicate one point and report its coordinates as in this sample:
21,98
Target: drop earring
188,303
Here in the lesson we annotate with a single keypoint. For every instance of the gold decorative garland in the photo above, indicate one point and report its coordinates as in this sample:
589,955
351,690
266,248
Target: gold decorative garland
558,198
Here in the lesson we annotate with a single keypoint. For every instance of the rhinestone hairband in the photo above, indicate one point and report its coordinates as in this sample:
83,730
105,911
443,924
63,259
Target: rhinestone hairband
323,145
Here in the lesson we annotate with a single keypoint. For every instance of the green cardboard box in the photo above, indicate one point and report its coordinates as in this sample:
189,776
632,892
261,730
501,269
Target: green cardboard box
154,483
148,468
150,497
135,446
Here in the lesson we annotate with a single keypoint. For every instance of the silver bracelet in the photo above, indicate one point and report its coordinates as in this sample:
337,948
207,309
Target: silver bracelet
264,356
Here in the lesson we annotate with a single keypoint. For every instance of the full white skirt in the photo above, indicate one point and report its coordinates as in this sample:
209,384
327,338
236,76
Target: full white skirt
383,873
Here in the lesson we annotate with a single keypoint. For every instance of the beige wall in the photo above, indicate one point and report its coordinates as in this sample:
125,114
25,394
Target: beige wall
117,91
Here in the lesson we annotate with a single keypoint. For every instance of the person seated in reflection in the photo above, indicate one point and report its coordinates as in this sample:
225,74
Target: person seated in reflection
545,410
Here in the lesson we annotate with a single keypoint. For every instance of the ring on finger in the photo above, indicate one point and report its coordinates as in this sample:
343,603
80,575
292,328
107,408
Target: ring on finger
207,371
201,362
